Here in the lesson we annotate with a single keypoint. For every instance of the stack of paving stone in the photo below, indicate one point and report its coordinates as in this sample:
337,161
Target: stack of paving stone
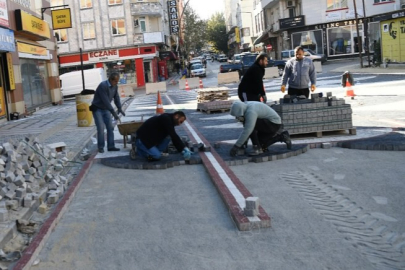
28,170
213,100
317,114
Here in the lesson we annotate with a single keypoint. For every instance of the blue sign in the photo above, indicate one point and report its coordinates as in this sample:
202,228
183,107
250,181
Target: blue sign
7,42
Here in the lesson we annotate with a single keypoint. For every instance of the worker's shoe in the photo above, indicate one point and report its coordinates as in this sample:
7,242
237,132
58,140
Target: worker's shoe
150,159
264,148
113,149
285,137
257,150
101,150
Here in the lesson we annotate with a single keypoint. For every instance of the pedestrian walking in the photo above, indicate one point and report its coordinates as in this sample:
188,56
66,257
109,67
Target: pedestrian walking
298,73
261,123
102,110
251,87
154,136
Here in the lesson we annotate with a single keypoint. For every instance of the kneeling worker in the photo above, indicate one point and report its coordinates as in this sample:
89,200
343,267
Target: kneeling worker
261,123
153,137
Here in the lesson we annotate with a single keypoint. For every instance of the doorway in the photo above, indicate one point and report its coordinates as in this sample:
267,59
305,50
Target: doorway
146,69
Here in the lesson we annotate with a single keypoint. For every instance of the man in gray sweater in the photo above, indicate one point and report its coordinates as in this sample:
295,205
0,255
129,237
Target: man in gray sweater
261,123
298,72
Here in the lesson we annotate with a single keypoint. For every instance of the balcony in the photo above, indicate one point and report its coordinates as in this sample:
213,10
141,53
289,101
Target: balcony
148,38
147,9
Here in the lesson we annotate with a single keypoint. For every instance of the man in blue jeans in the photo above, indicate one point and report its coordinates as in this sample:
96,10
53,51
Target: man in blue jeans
102,110
153,137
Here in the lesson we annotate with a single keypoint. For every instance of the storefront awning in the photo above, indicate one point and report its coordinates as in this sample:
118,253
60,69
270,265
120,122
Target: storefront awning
31,49
263,37
168,55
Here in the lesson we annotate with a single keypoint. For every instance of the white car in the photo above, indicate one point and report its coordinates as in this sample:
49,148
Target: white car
197,70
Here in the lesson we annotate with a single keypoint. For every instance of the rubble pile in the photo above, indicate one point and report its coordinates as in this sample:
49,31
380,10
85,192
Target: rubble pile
28,169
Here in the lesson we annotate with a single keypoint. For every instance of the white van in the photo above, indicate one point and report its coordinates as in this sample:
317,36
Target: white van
72,84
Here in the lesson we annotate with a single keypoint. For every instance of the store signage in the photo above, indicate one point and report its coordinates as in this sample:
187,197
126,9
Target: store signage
10,68
31,49
292,22
338,24
4,14
61,18
7,40
103,55
31,24
237,35
173,17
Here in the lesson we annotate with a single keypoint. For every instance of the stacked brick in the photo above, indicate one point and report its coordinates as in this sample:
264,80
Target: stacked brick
314,115
212,94
28,169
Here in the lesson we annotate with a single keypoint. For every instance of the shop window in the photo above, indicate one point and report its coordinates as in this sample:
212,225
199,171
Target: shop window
60,35
309,40
344,40
382,1
126,69
336,4
114,2
86,4
118,27
142,23
88,31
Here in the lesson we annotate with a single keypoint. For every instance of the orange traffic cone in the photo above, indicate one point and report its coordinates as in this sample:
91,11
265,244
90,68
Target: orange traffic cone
201,84
187,87
122,93
159,106
349,90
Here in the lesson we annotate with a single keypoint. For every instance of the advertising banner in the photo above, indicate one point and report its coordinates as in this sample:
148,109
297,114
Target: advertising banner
61,19
31,24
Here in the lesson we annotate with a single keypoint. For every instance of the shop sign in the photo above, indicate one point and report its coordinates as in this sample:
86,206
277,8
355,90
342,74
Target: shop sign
173,17
61,18
31,49
338,24
11,77
29,23
237,35
103,55
292,22
7,40
4,14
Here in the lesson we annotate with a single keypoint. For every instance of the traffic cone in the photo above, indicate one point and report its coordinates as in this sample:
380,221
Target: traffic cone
187,87
159,105
122,93
349,90
201,84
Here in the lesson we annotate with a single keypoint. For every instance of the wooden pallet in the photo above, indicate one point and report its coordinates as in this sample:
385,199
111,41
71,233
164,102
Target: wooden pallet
319,134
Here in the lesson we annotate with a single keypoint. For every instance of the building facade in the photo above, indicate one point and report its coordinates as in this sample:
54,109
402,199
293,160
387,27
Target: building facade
28,58
131,37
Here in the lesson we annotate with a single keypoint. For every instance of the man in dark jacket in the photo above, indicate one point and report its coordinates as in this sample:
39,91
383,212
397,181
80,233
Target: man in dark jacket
251,87
102,110
153,137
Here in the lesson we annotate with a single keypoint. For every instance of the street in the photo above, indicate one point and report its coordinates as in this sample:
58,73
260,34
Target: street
330,208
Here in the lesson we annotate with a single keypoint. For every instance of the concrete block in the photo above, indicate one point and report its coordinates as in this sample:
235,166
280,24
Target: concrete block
58,147
318,66
42,208
12,204
53,198
10,195
32,170
3,215
153,88
3,191
250,212
20,192
28,201
3,183
18,181
252,203
271,72
10,176
229,77
36,164
58,168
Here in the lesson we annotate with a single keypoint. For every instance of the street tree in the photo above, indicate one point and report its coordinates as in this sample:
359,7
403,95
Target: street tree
216,32
194,31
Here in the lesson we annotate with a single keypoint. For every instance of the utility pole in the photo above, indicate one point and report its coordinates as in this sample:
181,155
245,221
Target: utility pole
365,29
359,43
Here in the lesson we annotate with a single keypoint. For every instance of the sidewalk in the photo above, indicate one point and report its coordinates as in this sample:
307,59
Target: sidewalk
353,65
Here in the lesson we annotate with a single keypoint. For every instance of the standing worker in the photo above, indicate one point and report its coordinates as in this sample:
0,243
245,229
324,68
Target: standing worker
298,72
261,123
153,137
102,110
251,87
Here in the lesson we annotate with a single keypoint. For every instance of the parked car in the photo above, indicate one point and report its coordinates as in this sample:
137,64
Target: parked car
248,60
236,58
307,53
222,58
197,70
224,68
72,83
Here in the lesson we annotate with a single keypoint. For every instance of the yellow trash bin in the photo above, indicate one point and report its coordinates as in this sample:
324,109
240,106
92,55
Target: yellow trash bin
84,115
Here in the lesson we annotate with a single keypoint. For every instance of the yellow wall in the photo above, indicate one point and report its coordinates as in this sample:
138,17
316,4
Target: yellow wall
393,40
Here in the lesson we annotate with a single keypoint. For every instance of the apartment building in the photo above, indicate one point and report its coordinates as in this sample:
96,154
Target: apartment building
28,62
136,38
329,27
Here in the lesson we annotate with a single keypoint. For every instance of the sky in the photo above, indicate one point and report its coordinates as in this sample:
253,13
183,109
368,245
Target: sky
206,8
